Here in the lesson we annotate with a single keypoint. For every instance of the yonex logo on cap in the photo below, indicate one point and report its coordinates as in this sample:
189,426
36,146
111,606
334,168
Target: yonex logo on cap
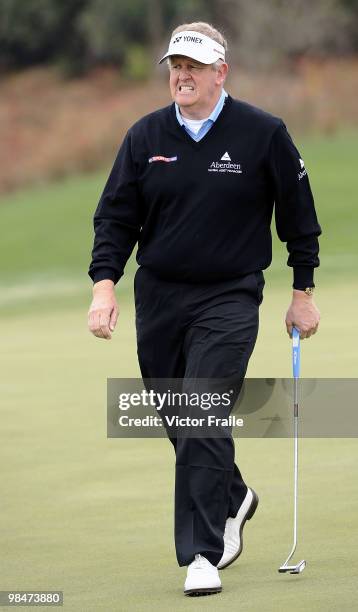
194,39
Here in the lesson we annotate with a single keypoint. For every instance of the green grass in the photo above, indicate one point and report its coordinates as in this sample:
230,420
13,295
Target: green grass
47,230
93,516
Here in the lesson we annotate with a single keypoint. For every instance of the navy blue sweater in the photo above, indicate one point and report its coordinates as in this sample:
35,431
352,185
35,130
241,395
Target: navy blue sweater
201,211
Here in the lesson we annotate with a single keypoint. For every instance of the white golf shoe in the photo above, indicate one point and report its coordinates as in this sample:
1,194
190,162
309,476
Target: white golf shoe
233,529
202,578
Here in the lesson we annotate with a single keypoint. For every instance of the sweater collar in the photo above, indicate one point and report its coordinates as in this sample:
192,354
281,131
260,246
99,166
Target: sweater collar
213,115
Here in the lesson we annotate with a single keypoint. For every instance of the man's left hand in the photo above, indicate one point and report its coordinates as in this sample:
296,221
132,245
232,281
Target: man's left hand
302,314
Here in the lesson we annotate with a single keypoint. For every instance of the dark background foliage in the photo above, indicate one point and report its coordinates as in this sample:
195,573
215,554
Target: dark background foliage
82,34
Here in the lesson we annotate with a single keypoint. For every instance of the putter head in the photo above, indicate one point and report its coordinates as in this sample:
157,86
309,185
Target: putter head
293,569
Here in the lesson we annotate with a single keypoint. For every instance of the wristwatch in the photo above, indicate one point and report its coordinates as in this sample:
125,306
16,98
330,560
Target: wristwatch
307,290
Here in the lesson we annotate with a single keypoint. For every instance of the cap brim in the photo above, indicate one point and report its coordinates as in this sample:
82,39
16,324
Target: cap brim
202,60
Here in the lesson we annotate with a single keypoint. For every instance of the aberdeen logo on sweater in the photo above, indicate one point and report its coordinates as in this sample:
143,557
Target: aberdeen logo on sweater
225,165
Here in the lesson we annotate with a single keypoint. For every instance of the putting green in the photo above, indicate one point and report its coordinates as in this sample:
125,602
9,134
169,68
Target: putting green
93,517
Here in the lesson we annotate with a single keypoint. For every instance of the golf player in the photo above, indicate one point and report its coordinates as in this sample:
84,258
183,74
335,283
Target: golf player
194,185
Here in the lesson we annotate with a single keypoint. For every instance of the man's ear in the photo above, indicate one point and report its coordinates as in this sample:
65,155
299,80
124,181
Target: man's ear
222,72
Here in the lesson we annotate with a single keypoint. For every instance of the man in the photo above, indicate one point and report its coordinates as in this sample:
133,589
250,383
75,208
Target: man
194,184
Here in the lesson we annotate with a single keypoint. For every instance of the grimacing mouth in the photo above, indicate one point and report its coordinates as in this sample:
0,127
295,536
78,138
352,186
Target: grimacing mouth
183,88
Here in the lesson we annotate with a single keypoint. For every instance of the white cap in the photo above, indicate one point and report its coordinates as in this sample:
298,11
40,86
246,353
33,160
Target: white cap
195,45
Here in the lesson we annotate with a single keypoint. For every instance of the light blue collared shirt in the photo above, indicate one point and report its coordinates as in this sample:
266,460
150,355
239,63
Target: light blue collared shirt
209,121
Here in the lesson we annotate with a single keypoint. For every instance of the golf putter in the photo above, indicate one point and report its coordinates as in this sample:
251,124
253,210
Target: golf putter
285,568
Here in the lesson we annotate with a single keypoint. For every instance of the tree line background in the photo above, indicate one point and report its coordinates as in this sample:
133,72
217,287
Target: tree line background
79,35
75,74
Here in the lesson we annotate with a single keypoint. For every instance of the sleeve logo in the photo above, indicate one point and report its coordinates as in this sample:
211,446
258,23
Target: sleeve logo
303,169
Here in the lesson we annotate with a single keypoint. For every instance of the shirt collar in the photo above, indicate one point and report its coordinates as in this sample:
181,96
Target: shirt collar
213,115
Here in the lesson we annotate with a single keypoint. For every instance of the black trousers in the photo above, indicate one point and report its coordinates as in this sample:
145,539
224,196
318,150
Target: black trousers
199,331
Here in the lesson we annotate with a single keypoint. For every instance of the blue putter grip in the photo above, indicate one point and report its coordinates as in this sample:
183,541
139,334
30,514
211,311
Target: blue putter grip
295,352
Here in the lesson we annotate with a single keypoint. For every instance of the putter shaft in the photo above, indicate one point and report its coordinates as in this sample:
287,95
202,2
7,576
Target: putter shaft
285,568
295,426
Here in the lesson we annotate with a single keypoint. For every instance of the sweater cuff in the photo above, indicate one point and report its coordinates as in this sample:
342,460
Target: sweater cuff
303,277
105,274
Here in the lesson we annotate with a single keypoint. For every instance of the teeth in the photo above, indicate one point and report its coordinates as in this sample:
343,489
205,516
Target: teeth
186,88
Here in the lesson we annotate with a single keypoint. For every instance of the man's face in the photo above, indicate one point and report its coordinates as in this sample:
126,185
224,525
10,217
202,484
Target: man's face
195,86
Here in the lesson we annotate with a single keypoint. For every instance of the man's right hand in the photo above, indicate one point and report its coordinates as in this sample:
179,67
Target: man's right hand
104,311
